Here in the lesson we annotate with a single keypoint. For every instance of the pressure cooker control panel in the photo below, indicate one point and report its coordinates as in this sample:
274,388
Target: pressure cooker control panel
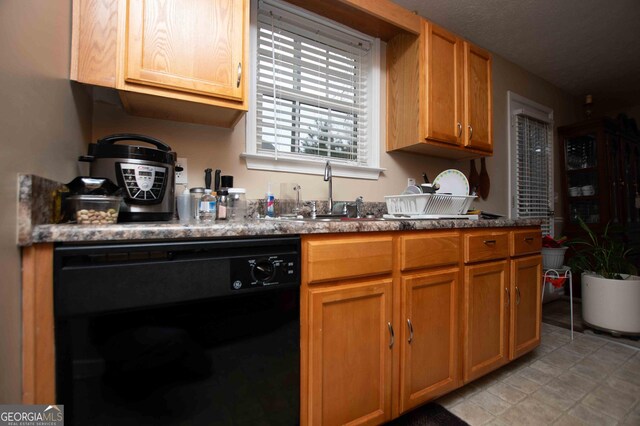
143,182
262,271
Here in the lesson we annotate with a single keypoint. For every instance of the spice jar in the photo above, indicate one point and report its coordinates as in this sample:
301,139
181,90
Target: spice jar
223,196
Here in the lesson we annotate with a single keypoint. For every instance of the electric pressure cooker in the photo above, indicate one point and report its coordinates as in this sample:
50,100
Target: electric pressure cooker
145,174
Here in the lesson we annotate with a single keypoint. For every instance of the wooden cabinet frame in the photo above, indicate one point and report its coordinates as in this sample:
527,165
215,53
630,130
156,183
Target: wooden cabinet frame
38,349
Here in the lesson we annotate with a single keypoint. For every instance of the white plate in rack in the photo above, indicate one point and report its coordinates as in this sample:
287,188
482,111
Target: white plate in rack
452,182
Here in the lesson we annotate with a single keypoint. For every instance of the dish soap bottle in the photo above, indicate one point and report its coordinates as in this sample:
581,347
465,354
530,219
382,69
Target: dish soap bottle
207,207
270,203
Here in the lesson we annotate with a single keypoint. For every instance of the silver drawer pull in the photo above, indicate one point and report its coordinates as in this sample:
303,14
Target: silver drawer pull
489,242
506,290
239,74
528,240
470,132
410,330
392,339
459,129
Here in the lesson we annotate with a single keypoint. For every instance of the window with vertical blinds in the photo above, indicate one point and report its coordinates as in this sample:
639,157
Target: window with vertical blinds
533,170
313,88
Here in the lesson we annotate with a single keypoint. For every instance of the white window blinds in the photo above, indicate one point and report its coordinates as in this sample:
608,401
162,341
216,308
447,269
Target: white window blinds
311,88
533,197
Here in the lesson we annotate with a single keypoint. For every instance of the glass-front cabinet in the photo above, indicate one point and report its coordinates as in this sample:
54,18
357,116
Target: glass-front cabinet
583,189
600,180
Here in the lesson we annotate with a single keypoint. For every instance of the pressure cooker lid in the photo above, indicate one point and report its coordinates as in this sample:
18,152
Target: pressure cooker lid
107,148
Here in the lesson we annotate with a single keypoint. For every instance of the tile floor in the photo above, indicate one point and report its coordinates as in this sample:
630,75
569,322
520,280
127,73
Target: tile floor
587,381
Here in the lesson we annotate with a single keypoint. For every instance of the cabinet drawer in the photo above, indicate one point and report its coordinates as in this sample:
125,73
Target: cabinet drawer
429,250
526,242
486,245
347,257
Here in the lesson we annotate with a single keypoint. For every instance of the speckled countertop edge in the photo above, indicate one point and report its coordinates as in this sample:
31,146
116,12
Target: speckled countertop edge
177,230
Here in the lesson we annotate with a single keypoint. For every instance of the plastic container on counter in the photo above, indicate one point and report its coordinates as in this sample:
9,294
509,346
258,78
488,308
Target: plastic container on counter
95,209
237,204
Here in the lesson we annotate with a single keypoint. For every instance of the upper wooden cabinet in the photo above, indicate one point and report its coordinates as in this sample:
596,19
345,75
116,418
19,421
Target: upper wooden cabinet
191,47
478,133
178,60
439,95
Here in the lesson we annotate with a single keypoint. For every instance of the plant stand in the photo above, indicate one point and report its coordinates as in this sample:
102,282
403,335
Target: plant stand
559,273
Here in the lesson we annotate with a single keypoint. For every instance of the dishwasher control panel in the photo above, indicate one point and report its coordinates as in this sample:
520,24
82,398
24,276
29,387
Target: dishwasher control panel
263,271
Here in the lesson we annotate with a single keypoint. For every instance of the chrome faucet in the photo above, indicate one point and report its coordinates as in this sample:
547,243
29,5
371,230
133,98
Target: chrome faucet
328,178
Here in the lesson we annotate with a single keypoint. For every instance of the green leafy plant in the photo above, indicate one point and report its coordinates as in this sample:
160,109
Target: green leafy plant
603,255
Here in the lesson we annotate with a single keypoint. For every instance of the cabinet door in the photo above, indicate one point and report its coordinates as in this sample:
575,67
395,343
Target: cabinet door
526,315
350,345
444,61
486,304
188,46
477,89
429,366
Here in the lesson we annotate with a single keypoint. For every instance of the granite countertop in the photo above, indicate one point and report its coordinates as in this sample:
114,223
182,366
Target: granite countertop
247,228
36,211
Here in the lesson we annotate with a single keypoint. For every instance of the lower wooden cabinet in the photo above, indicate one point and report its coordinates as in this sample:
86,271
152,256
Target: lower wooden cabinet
502,313
526,314
350,343
390,321
429,337
486,304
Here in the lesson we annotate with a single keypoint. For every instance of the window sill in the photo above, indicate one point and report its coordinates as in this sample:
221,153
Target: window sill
311,167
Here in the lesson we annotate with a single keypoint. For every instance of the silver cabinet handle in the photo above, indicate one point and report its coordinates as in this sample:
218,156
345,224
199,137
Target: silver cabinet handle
489,242
517,295
410,330
459,129
239,74
508,296
470,132
392,335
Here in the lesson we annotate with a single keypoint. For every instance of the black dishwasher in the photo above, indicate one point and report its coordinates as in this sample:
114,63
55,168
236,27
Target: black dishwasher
193,332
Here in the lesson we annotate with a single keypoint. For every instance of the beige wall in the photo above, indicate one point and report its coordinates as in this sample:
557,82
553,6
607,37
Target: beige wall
508,76
206,146
43,127
209,147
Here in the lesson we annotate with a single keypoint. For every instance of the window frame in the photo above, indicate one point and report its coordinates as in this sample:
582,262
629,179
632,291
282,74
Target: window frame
518,104
299,164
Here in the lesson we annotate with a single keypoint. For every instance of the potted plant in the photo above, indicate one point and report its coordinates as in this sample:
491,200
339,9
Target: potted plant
553,251
610,285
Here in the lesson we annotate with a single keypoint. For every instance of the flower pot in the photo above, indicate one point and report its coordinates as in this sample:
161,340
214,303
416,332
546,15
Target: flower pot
553,258
611,305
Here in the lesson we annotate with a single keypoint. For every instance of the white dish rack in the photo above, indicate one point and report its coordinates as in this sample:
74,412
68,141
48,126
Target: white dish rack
429,206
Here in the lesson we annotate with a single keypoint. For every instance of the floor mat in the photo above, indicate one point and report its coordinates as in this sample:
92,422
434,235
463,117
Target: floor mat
431,414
